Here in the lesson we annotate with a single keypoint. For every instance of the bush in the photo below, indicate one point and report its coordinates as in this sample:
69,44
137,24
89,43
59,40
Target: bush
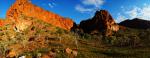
122,38
60,31
86,36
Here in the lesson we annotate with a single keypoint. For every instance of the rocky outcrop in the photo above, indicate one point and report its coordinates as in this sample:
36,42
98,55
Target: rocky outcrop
24,7
1,22
101,22
22,25
4,22
136,23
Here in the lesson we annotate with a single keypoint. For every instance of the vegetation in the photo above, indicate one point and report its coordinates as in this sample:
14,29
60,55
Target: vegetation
44,40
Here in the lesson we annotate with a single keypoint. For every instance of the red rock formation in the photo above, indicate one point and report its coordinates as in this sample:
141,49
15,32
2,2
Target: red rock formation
1,22
101,22
24,7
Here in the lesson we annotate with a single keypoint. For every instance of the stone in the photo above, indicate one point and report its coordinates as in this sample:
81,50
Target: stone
68,50
71,52
75,53
22,25
11,54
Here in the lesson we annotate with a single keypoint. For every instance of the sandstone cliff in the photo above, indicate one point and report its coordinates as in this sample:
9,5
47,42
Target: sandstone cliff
24,7
101,22
1,22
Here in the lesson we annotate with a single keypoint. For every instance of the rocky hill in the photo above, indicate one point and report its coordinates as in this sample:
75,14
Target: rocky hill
136,23
101,22
24,7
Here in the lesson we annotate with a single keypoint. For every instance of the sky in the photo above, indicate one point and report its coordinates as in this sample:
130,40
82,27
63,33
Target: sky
79,10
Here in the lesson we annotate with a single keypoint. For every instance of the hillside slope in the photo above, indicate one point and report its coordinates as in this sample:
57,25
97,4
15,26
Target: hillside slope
136,23
43,40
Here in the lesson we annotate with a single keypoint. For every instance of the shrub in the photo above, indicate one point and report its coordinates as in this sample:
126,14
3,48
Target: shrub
86,36
60,31
124,38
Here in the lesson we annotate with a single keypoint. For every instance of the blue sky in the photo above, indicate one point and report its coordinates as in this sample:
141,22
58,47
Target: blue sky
79,10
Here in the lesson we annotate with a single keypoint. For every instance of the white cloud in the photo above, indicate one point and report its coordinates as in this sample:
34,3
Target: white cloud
140,12
96,3
82,9
120,18
146,12
135,12
51,5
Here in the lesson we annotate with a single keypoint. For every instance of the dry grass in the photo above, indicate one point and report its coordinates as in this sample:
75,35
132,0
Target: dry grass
44,40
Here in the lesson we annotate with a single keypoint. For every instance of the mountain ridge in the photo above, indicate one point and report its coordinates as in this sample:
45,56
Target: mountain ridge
136,23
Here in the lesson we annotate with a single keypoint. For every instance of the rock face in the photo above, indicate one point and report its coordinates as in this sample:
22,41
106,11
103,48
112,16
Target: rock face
1,22
136,23
25,7
101,22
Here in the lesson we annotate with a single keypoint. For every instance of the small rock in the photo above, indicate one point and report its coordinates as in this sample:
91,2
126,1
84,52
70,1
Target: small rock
11,53
71,52
68,50
75,53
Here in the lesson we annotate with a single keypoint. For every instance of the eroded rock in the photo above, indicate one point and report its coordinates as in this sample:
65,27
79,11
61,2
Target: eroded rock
101,22
25,7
